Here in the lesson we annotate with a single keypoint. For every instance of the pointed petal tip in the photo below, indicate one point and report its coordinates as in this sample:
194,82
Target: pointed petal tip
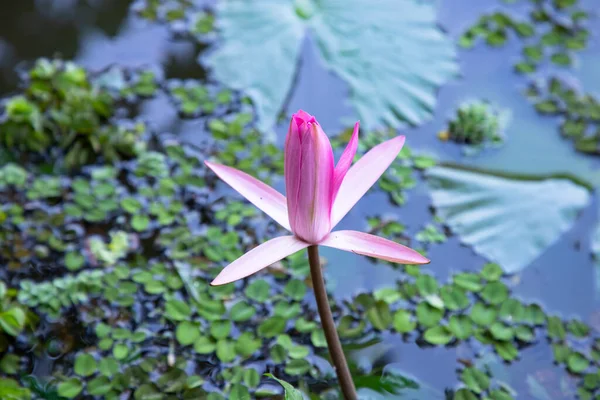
400,139
218,281
413,257
374,246
421,260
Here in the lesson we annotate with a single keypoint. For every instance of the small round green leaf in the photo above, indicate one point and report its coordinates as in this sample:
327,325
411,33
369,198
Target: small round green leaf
475,379
482,314
204,345
258,291
108,366
99,386
177,310
187,332
506,350
297,367
220,329
296,289
577,363
271,327
438,335
140,222
85,365
461,326
74,261
500,331
494,293
491,272
454,297
468,281
120,351
242,312
427,315
427,285
225,351
379,315
464,394
70,388
403,321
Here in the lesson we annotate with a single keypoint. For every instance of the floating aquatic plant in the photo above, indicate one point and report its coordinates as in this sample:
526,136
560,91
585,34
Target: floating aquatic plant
475,124
579,112
63,116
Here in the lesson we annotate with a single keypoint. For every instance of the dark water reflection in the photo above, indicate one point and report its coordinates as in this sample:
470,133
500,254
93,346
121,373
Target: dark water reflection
563,278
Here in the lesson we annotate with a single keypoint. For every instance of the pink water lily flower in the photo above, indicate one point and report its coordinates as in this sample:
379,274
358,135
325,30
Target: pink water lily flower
319,195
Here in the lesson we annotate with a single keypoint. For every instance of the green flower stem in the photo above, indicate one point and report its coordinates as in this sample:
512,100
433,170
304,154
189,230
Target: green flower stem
333,341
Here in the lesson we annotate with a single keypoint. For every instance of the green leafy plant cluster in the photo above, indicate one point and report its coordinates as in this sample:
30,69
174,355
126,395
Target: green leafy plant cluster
62,115
475,307
11,390
555,32
194,98
579,113
171,10
476,123
13,317
200,23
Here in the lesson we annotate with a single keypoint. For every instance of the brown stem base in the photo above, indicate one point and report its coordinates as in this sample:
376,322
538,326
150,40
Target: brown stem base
331,335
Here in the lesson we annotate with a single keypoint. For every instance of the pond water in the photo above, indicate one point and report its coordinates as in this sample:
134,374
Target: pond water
563,279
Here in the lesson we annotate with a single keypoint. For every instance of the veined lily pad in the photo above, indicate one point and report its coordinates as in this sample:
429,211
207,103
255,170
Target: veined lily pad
390,53
508,221
261,46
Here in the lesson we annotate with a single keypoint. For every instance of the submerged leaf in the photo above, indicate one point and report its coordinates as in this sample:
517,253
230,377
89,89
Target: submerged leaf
508,221
390,53
261,45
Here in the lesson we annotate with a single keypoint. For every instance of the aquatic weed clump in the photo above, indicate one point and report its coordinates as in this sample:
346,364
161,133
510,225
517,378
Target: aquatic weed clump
579,112
475,123
63,115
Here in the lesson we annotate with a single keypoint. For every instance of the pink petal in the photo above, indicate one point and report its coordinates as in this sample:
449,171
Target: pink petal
363,175
261,195
345,161
258,258
373,246
292,165
308,178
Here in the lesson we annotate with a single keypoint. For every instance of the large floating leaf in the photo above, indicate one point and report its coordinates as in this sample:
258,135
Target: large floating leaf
390,52
508,221
261,45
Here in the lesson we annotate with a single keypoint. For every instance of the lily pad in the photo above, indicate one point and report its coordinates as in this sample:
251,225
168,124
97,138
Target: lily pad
261,46
392,54
508,221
